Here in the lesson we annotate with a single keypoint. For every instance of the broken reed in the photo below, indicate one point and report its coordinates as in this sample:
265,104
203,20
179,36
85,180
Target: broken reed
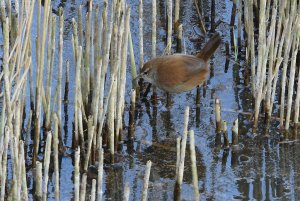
276,56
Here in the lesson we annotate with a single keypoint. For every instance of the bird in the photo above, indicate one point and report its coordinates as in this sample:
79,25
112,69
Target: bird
180,72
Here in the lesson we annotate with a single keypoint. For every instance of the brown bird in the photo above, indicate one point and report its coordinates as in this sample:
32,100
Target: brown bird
179,72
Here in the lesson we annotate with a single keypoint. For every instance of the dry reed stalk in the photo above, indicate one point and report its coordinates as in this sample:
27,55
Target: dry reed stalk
126,192
100,64
83,187
287,48
20,159
87,52
47,154
179,178
56,161
200,17
270,77
60,63
291,80
176,15
177,156
153,33
218,116
15,172
179,39
100,173
7,86
91,130
38,37
235,133
105,46
141,34
297,101
263,54
77,99
122,80
115,59
50,60
132,65
169,28
77,174
240,9
153,39
28,130
251,44
194,166
2,11
132,114
38,180
225,134
23,173
93,191
80,29
7,136
39,77
146,180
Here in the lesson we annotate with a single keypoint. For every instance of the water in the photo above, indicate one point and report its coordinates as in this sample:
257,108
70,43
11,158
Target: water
261,169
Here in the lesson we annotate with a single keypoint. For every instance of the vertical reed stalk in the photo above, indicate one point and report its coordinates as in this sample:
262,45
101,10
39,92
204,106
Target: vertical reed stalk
133,66
235,133
132,114
4,162
177,156
38,180
194,166
287,48
146,180
100,173
225,134
153,40
169,34
90,140
40,80
126,192
176,18
122,81
50,60
93,192
297,101
177,189
60,63
153,33
291,80
46,165
218,116
83,187
80,29
87,53
77,175
56,162
179,39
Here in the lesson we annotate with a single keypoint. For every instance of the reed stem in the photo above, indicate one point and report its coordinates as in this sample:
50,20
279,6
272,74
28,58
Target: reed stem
146,180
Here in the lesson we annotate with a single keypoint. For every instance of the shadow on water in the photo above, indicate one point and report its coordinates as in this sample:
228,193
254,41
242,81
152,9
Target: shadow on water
261,168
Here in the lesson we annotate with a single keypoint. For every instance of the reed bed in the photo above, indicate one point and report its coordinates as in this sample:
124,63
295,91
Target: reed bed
101,43
273,61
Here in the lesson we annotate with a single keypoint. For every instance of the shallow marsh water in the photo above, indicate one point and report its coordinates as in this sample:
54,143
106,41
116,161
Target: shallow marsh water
261,169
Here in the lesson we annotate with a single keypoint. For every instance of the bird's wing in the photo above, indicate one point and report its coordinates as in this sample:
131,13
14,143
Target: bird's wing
181,69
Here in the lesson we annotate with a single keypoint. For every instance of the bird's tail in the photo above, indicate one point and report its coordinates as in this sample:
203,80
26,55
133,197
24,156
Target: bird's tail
210,47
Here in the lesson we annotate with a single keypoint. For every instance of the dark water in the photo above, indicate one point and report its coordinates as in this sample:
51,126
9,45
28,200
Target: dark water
261,169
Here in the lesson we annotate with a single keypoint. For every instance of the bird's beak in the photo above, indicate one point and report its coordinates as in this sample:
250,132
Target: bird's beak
136,80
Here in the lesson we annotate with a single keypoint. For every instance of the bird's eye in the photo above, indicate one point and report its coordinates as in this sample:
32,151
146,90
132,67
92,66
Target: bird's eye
146,72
